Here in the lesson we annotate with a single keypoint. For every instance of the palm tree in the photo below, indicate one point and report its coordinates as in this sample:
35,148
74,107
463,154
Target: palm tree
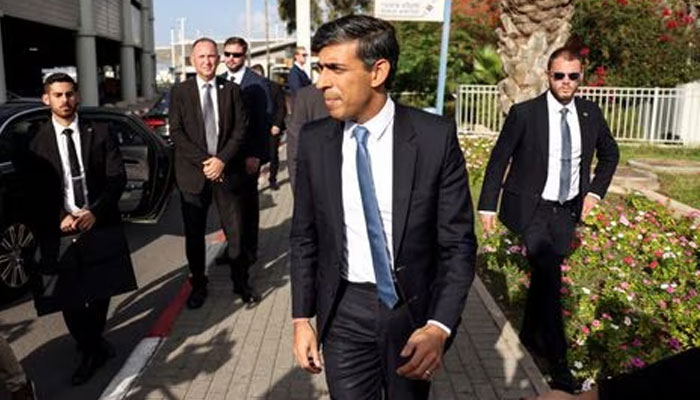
530,31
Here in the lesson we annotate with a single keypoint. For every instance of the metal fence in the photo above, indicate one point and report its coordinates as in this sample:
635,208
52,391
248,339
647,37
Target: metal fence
653,115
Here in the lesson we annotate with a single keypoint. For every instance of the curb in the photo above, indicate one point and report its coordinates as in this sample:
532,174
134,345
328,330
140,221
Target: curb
143,353
509,334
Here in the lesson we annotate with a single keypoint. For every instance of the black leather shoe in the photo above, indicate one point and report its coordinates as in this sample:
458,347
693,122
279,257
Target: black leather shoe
197,297
89,364
26,392
562,379
247,294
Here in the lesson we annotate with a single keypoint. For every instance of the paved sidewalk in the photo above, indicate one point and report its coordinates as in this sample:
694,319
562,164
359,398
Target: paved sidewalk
226,351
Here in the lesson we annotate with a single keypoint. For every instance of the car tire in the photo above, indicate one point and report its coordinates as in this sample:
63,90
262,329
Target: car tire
17,255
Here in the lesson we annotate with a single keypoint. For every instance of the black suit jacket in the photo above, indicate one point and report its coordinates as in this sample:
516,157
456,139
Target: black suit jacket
434,245
524,144
98,264
297,79
188,133
308,106
255,92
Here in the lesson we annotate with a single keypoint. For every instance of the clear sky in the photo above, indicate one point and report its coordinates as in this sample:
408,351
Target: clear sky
218,19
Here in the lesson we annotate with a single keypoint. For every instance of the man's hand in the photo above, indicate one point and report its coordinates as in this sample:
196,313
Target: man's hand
425,347
84,220
305,347
212,168
588,203
488,222
275,130
67,223
252,164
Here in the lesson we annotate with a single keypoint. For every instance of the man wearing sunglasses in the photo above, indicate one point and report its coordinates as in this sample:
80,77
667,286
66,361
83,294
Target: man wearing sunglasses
549,143
254,153
297,78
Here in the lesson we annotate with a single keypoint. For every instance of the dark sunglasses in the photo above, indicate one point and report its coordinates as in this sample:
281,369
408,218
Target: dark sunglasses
560,75
235,55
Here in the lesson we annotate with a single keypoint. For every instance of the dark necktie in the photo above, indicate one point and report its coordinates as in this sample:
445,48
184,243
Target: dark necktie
565,172
76,175
375,231
209,121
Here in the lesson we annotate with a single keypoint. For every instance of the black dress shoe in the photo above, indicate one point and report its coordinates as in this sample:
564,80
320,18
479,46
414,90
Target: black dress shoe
247,294
89,364
197,297
562,379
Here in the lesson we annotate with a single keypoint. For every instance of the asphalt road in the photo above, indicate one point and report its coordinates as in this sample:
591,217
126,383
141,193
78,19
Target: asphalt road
44,346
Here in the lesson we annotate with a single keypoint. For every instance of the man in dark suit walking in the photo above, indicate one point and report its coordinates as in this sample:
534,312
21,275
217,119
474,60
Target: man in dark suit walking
297,77
255,92
382,235
308,106
549,143
207,124
78,178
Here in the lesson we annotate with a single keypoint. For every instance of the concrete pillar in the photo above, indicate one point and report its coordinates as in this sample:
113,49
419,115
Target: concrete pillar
87,56
147,77
128,63
3,86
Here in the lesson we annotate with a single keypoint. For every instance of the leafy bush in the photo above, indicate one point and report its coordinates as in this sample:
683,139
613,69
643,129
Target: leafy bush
637,42
630,290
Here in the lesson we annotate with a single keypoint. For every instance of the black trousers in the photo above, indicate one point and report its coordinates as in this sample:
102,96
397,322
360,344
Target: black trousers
548,240
362,348
274,156
86,324
195,208
250,222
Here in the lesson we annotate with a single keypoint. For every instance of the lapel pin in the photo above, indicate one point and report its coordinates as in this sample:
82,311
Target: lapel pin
221,86
585,113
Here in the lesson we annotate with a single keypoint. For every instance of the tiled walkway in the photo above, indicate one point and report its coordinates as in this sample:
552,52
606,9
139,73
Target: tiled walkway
228,351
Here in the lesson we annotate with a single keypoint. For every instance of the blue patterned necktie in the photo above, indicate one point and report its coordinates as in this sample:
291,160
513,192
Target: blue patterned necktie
375,232
565,172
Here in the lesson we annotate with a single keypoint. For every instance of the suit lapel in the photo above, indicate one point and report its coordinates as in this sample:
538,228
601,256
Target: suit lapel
86,135
332,162
196,104
49,147
585,127
542,126
404,170
221,102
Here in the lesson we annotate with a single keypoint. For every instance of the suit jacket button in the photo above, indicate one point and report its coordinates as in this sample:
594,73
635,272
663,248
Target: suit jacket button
412,299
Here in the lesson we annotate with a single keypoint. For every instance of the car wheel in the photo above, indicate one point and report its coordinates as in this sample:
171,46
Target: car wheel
17,250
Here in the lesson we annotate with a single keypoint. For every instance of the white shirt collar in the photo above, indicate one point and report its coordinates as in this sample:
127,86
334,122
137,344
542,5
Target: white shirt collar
555,106
301,67
58,128
201,82
237,76
376,125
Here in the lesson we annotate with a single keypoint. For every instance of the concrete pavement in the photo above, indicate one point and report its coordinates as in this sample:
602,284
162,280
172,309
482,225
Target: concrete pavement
227,351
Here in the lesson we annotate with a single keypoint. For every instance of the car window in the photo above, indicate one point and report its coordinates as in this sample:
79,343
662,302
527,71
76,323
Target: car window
123,133
15,138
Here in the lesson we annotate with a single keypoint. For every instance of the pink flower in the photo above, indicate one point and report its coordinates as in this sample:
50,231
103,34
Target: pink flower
624,285
628,260
565,268
585,51
672,24
638,362
636,342
653,264
566,313
670,289
666,12
595,323
514,249
674,344
607,316
624,221
662,304
567,280
658,253
585,330
489,249
564,290
622,2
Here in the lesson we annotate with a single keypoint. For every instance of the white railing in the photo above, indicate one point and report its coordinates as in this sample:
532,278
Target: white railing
653,115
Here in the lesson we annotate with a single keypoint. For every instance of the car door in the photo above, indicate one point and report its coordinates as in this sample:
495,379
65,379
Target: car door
149,168
148,161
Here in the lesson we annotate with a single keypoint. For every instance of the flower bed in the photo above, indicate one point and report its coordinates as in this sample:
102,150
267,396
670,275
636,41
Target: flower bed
630,288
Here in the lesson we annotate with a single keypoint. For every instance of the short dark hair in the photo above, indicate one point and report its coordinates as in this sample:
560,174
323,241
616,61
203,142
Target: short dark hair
567,53
205,39
259,68
59,77
237,40
376,40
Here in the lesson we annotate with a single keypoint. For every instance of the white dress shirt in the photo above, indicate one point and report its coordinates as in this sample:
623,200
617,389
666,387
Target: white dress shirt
62,140
551,187
214,98
380,146
236,77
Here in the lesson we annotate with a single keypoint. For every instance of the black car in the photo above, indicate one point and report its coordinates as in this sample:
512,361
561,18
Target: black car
157,117
149,169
